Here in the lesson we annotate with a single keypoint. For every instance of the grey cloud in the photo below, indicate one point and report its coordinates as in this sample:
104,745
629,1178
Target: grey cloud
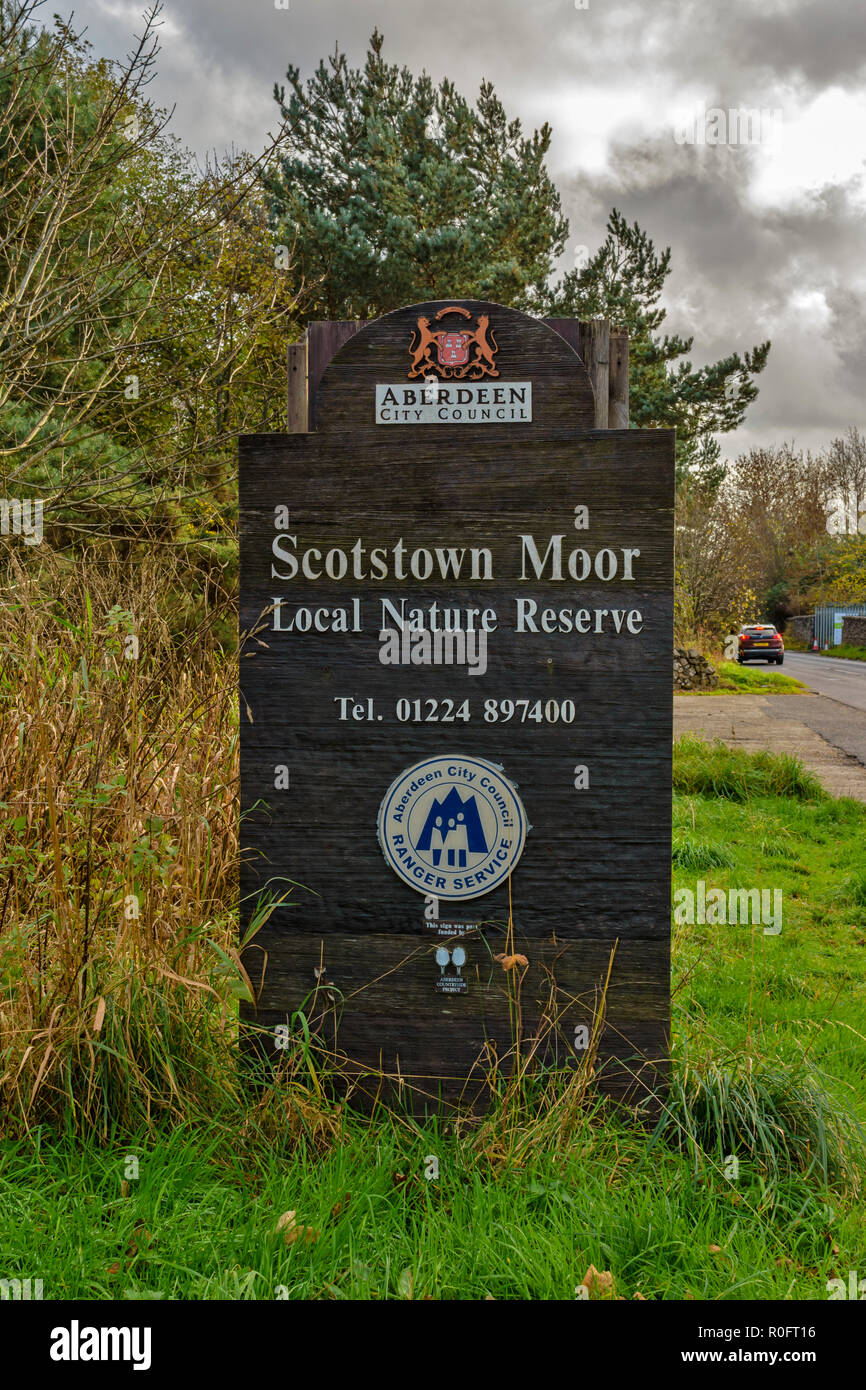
738,268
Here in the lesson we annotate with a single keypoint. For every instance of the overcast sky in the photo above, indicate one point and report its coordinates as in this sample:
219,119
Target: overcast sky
768,238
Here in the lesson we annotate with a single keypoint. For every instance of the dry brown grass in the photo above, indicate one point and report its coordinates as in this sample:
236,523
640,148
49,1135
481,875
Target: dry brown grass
118,846
538,1110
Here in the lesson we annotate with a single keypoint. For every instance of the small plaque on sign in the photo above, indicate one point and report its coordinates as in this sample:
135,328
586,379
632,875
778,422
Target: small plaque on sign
450,982
450,928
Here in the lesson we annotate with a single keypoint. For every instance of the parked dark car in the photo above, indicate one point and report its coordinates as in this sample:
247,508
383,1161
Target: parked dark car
761,642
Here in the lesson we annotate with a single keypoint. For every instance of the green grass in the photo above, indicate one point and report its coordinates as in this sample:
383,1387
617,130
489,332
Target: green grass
200,1224
689,853
847,653
769,1053
754,680
714,771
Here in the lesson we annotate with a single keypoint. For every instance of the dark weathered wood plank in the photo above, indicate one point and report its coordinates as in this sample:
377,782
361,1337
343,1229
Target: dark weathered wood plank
346,984
297,422
323,341
618,408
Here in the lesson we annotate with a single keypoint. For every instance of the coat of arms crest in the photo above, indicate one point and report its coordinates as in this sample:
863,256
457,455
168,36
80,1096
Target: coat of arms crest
454,353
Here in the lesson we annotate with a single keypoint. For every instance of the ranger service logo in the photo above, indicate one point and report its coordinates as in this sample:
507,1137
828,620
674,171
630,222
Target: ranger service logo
454,827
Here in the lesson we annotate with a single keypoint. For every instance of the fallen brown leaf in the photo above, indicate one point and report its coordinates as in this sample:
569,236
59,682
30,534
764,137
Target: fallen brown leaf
599,1282
293,1232
509,962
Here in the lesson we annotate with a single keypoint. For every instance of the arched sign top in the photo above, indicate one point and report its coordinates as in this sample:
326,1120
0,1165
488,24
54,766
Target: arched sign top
456,363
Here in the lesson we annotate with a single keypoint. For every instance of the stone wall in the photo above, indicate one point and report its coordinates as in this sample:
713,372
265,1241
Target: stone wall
854,632
801,628
692,671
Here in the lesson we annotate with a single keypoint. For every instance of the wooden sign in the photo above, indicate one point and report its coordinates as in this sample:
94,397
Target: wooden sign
456,706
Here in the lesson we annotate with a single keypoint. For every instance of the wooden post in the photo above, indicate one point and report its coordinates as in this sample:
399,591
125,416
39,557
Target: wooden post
297,419
605,356
324,339
618,389
597,363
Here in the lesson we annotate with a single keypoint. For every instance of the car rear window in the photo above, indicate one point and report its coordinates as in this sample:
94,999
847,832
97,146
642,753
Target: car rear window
760,631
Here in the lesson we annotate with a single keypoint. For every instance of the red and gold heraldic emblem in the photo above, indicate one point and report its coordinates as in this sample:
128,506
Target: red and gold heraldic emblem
454,353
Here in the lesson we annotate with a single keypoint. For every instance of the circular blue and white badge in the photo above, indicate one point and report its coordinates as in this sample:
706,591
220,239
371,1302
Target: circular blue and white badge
453,827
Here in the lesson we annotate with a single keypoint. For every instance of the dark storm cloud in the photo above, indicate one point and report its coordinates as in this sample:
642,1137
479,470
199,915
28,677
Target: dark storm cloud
230,52
742,273
788,264
819,43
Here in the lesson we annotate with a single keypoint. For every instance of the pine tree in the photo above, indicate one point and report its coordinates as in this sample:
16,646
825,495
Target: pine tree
623,282
396,191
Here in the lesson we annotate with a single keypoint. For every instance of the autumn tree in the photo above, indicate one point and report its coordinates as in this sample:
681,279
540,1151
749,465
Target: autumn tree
842,578
845,464
780,501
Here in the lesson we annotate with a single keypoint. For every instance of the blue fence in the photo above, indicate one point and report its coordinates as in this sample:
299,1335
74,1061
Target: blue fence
828,621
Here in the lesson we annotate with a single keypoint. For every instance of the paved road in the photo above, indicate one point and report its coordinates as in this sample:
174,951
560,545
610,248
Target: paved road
841,680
